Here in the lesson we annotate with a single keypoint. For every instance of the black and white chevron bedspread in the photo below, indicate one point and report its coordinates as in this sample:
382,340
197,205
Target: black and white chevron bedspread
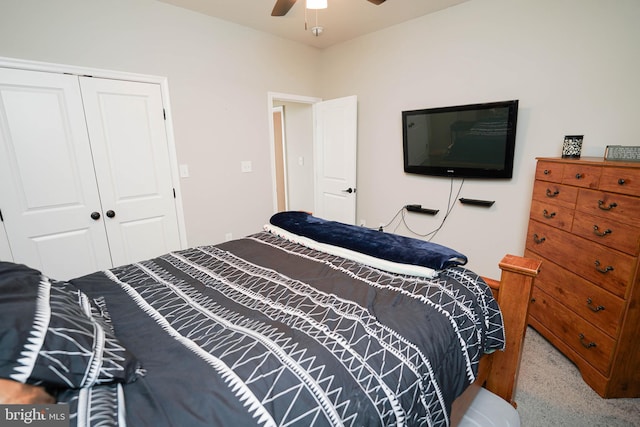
262,331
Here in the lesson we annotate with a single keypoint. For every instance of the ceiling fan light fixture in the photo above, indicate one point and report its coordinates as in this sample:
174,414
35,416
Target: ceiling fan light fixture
316,4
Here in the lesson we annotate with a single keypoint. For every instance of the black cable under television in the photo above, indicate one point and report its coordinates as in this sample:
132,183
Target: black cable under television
466,141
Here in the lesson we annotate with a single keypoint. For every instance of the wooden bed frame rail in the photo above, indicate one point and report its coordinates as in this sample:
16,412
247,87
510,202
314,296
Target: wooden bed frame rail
498,371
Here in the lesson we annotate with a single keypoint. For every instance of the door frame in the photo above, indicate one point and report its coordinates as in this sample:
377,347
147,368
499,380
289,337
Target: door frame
280,157
283,97
119,75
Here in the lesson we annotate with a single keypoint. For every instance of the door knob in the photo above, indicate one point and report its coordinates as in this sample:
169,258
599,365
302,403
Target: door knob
95,216
110,213
349,190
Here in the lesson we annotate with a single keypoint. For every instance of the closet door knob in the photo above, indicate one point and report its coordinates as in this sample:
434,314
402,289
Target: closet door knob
95,216
110,213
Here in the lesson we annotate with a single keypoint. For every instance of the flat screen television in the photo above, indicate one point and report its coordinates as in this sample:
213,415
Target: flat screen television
466,141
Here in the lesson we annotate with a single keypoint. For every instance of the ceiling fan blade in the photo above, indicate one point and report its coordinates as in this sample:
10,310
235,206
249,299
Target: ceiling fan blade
282,7
377,2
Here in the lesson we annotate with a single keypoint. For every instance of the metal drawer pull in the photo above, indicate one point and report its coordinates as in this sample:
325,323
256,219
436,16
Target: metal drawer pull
592,308
579,175
607,269
606,208
586,344
538,239
546,172
621,181
601,233
548,215
552,193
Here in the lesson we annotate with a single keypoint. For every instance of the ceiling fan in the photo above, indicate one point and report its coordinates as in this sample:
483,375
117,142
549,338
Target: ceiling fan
282,6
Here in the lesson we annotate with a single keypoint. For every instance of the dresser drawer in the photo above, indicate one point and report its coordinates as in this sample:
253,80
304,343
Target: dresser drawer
555,193
593,345
581,175
595,305
549,171
614,234
617,207
608,268
621,180
554,215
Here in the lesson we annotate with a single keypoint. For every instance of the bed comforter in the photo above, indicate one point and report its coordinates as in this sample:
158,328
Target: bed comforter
265,331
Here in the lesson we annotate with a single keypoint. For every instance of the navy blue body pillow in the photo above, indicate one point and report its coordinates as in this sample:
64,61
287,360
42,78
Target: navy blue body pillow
391,247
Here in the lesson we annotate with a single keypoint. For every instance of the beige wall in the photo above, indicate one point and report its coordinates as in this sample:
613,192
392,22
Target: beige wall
573,64
219,75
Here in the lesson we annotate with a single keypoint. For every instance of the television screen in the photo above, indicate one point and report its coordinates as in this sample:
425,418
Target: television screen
468,141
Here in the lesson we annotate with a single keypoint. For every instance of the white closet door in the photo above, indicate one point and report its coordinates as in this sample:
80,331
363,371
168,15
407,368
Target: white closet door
5,250
48,188
130,153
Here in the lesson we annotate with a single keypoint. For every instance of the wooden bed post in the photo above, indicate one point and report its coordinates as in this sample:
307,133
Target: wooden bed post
516,284
498,372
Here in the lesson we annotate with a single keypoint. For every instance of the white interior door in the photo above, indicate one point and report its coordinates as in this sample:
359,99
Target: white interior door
335,155
48,188
133,168
5,250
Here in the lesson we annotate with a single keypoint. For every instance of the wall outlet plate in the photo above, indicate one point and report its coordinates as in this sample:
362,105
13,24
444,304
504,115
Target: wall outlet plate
246,166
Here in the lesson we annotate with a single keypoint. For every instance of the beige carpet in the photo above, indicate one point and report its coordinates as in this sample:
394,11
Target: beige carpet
551,392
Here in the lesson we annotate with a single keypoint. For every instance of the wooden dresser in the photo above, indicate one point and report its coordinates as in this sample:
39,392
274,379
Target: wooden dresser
585,227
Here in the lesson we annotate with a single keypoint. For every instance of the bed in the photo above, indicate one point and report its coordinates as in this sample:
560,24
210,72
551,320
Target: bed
306,323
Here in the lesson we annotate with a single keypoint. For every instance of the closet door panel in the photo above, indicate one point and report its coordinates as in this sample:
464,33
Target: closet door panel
126,128
5,250
48,188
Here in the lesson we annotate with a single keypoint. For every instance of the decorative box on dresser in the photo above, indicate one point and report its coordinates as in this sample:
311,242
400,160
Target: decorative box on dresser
584,225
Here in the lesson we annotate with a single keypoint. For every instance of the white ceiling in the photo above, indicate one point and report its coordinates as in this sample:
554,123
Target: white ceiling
342,20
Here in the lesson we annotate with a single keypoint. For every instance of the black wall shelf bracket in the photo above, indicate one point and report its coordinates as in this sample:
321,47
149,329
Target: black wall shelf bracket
420,209
477,202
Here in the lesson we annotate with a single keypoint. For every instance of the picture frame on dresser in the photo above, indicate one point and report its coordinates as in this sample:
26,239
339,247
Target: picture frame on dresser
584,225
